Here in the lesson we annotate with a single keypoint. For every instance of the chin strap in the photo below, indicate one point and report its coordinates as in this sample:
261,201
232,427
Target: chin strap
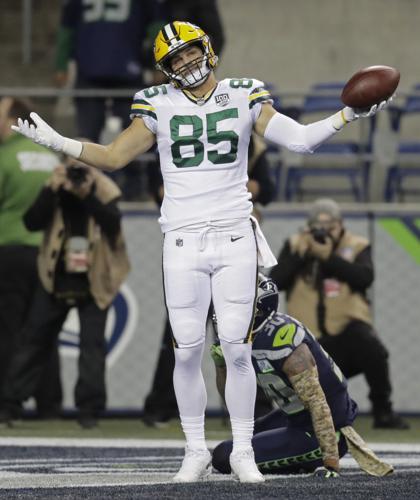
363,455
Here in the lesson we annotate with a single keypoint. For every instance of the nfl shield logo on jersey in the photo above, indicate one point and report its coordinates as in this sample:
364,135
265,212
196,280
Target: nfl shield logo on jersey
179,242
221,99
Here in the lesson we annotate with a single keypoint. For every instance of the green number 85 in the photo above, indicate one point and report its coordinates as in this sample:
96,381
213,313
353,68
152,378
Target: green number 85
193,139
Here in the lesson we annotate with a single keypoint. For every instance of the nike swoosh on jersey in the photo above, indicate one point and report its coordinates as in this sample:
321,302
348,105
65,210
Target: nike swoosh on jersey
235,238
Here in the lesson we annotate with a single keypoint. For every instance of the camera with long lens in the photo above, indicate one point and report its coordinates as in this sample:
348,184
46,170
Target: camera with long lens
77,175
319,234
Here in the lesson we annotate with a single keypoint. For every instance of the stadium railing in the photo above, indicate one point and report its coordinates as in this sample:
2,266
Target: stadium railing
348,156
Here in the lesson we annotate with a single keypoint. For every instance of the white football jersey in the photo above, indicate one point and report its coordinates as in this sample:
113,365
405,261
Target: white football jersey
203,148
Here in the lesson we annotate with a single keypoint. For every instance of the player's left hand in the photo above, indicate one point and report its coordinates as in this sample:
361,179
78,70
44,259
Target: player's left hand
351,114
326,472
318,250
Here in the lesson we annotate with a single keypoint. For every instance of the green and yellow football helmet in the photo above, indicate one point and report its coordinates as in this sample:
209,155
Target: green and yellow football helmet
176,36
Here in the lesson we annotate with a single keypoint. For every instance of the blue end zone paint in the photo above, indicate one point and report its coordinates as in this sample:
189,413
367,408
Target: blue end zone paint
121,315
120,307
143,472
412,226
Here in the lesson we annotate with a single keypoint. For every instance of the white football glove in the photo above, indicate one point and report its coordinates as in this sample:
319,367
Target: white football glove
347,114
43,134
351,114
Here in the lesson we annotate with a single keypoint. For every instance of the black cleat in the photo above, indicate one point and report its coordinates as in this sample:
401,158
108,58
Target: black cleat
87,421
159,420
6,419
390,421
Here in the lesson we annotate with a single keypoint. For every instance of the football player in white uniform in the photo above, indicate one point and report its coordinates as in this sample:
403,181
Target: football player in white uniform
212,246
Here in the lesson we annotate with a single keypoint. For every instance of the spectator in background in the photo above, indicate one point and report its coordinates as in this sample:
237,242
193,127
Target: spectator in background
326,271
82,263
160,404
106,40
24,167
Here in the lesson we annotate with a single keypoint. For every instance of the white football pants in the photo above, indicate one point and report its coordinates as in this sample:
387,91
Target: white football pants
212,263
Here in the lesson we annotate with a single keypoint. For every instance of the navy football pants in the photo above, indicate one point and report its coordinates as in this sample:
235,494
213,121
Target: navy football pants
279,448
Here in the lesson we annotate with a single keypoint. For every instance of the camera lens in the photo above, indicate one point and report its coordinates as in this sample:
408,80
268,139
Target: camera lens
319,234
77,175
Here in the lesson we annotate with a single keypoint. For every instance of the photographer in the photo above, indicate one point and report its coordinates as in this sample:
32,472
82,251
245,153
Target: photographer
82,263
326,271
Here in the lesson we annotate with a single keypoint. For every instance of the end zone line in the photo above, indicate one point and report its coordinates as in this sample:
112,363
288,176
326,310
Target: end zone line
158,443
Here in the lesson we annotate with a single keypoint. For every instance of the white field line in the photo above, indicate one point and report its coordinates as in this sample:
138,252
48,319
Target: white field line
133,458
159,443
96,442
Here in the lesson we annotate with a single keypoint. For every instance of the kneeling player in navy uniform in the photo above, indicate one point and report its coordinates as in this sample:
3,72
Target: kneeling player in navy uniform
311,427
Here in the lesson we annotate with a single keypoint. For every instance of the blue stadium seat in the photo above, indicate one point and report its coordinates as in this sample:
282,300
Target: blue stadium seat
403,178
399,183
324,96
350,158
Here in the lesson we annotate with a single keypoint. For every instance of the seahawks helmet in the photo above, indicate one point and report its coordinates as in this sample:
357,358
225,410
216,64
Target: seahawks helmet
176,36
267,301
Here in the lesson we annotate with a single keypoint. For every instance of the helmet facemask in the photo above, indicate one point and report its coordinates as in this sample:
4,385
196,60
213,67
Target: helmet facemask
191,74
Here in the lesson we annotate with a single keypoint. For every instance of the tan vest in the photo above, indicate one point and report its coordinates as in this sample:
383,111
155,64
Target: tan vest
109,265
342,305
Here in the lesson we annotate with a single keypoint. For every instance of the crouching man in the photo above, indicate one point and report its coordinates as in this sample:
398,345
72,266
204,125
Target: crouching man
310,428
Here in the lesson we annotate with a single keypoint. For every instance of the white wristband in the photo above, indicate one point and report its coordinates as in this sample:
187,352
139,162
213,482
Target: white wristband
346,115
338,120
72,147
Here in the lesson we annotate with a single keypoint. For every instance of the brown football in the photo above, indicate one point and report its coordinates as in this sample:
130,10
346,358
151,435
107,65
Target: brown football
370,86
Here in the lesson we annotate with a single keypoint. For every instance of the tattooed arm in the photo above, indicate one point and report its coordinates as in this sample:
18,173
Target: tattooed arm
302,372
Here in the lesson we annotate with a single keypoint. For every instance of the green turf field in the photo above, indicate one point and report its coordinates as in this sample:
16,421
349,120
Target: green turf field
216,429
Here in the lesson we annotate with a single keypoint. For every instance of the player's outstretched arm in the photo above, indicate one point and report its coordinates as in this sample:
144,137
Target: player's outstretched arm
134,140
286,132
302,372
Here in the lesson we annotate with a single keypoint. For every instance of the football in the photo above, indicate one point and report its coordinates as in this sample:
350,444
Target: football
370,86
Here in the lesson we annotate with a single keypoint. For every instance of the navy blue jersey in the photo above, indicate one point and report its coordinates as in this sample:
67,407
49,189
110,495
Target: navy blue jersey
279,337
108,36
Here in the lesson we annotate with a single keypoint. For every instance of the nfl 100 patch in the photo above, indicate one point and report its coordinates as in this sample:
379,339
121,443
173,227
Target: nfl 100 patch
222,99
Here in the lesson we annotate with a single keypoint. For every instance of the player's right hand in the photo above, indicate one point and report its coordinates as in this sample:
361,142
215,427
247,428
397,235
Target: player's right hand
41,132
325,472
